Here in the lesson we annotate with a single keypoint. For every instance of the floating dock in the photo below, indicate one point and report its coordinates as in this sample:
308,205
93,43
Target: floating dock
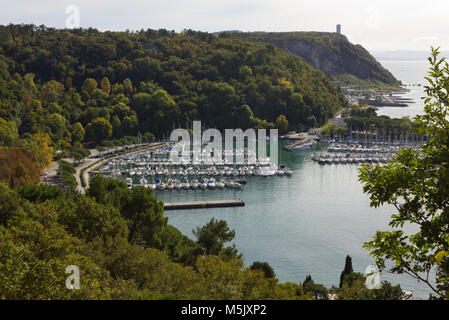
203,204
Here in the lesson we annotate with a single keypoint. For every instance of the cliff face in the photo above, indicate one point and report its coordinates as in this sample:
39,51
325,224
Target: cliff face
331,53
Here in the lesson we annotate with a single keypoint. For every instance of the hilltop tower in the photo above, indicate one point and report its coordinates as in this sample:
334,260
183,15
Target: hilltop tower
338,28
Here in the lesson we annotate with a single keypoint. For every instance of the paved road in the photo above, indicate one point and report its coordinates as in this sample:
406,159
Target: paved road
100,162
51,172
92,158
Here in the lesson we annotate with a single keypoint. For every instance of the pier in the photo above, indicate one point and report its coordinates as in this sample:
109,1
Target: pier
299,142
203,204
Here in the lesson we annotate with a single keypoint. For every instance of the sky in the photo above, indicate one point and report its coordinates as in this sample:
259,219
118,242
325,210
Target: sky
376,25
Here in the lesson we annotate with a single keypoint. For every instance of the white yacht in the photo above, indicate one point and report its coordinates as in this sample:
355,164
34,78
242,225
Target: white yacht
280,173
152,186
211,184
194,185
185,185
234,185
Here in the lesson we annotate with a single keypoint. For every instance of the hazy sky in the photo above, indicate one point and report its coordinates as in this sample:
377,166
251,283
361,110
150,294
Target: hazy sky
377,25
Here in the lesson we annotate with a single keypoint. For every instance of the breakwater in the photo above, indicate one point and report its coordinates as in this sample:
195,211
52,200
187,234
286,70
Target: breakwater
203,204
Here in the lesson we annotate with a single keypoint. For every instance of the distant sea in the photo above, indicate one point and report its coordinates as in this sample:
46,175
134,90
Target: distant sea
411,73
307,224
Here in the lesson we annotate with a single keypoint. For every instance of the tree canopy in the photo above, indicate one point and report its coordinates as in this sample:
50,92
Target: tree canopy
89,86
416,185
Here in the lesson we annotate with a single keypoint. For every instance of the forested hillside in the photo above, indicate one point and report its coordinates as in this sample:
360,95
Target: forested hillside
90,86
332,53
125,249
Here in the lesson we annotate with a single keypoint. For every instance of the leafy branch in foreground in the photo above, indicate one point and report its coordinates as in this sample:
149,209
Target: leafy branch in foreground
416,183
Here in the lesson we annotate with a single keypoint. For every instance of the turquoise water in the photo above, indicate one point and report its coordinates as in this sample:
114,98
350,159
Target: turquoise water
306,224
302,225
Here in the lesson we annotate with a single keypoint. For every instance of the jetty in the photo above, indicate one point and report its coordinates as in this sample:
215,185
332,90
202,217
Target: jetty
386,102
303,139
203,204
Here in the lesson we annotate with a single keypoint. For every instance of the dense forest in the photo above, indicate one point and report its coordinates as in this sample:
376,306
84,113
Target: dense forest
125,249
90,86
331,53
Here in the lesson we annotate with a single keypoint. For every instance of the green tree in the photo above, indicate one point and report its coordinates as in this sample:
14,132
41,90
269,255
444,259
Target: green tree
416,184
178,247
87,219
33,256
101,149
331,129
144,214
346,271
108,191
11,205
76,156
105,85
58,125
212,236
89,86
78,132
318,290
282,124
354,288
39,145
148,137
99,129
38,193
8,132
128,86
264,267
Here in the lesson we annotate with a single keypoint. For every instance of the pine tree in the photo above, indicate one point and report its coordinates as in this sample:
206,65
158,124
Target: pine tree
346,271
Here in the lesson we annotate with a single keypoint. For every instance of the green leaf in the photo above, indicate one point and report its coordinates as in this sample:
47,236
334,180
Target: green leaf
440,256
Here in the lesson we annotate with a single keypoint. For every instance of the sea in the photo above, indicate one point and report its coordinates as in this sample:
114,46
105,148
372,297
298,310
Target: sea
411,73
308,224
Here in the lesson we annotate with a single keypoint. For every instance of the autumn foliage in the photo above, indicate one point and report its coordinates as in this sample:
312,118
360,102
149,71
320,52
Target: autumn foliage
18,167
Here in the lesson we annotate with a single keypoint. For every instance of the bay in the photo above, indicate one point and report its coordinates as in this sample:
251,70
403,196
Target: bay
307,224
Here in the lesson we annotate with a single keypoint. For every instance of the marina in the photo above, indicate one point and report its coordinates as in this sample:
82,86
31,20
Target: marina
356,153
156,171
314,218
278,200
306,222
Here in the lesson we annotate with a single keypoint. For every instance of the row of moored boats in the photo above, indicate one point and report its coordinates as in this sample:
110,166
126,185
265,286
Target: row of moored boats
372,149
175,184
350,159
